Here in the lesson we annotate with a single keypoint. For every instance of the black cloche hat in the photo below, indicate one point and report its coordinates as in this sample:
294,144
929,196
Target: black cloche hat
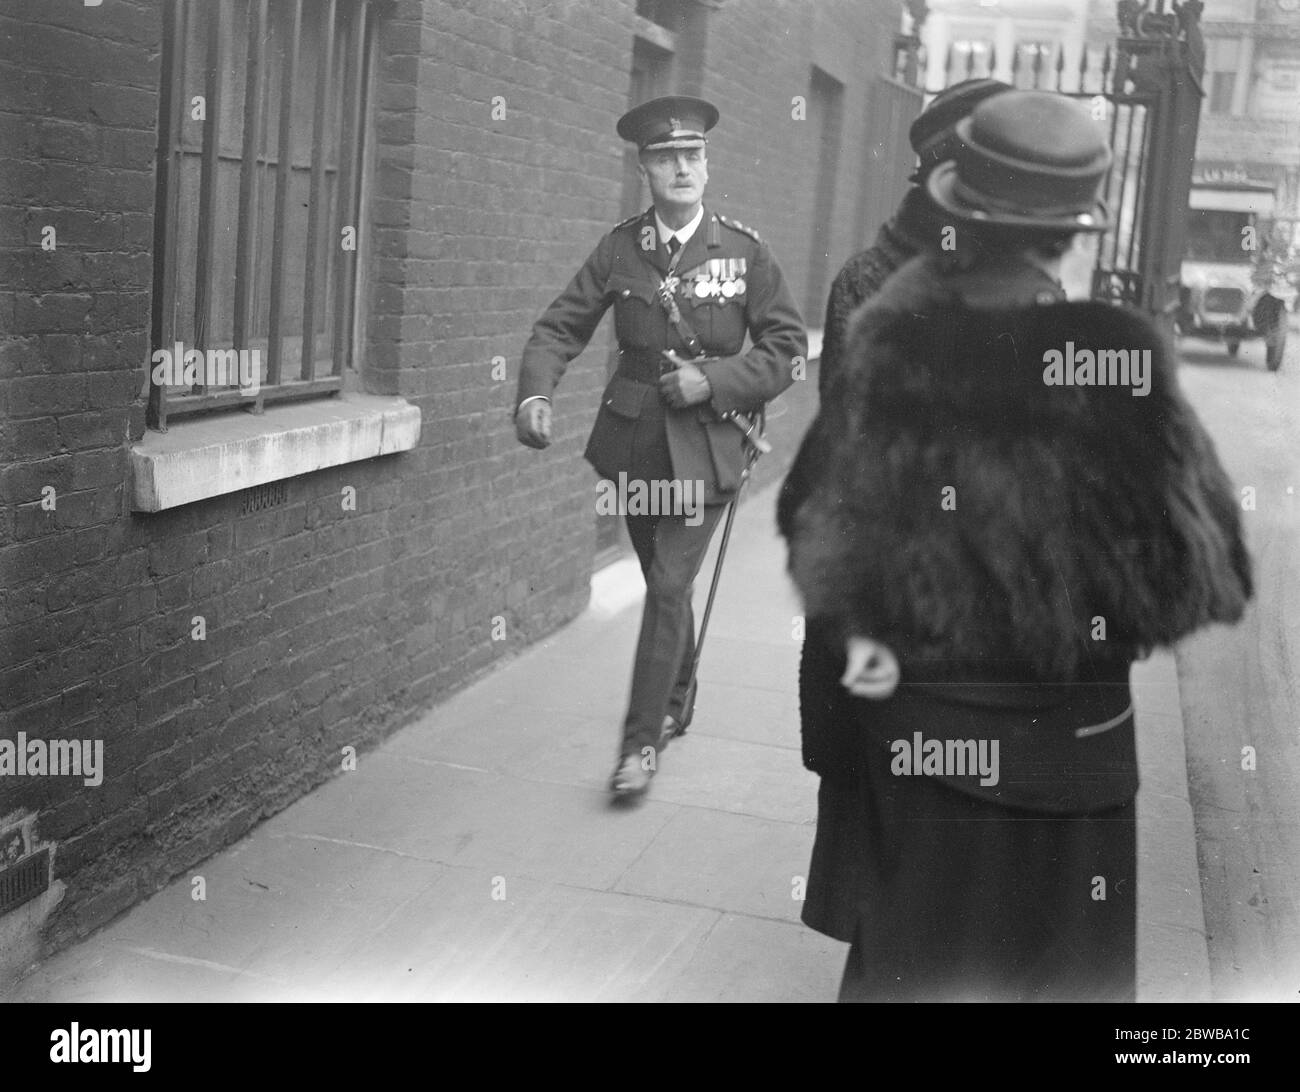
933,134
675,121
1028,159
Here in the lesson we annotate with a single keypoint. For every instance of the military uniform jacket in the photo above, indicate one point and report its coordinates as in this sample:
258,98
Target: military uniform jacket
727,285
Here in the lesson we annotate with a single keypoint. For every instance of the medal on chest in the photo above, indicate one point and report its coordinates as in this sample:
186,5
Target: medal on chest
718,280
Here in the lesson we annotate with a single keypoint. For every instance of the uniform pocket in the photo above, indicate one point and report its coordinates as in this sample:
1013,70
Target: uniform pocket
623,287
609,449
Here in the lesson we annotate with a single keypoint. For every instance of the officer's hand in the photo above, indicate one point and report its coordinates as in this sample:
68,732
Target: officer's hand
686,386
533,423
872,670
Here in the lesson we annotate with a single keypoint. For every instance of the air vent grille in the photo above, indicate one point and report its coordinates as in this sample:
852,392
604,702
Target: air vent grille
24,880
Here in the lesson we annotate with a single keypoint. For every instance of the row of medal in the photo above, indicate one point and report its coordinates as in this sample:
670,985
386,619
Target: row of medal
717,278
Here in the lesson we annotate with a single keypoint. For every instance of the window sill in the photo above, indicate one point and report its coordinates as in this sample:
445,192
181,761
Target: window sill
209,456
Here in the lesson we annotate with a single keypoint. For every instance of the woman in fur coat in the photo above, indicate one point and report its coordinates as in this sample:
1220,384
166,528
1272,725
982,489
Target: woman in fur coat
1004,502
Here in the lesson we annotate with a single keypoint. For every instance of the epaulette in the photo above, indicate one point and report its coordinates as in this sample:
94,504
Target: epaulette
630,220
738,226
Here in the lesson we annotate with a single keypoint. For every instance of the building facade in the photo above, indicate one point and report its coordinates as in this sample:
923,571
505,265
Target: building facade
267,271
1250,120
1021,42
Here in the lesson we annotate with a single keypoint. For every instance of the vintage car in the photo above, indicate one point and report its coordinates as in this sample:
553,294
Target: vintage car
1221,296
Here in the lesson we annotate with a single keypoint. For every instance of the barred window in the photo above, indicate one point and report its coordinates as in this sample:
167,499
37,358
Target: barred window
257,239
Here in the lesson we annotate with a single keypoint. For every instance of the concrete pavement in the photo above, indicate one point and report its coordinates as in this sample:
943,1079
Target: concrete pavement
1241,684
475,855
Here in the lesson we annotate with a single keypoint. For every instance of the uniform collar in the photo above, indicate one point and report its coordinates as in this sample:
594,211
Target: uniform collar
683,233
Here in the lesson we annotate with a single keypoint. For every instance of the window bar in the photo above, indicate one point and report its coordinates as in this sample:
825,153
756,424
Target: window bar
1124,179
350,153
283,172
362,186
1107,89
332,194
216,62
1115,184
1146,132
1116,169
254,111
167,200
325,57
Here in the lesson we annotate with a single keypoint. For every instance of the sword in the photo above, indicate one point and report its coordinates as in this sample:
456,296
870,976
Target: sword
692,687
755,445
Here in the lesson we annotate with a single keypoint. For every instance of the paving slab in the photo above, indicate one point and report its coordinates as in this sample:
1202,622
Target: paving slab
475,854
507,826
719,774
729,862
747,714
1173,957
751,959
541,941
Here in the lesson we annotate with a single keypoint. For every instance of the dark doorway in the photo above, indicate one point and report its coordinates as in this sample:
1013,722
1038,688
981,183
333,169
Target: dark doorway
825,113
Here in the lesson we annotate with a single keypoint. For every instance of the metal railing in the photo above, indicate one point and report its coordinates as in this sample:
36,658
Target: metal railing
1146,89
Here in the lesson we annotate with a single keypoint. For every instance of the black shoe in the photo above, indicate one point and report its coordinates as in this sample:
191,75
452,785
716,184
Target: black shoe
630,777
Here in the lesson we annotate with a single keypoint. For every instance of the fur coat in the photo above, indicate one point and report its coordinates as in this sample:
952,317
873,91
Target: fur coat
863,275
952,503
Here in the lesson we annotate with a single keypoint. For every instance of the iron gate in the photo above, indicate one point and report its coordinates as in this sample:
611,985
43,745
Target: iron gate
1146,88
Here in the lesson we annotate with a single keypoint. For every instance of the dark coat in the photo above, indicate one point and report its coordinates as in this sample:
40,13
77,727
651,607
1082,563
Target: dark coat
864,274
622,273
1072,503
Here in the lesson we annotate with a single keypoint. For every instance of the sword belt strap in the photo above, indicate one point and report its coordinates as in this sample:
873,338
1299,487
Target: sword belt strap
752,427
668,301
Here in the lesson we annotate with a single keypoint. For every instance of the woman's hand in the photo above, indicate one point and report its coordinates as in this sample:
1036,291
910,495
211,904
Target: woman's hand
872,670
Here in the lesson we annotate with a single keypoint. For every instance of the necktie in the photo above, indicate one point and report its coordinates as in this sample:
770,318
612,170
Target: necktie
674,245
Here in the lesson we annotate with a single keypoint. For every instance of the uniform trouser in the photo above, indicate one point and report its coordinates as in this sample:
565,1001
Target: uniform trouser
670,551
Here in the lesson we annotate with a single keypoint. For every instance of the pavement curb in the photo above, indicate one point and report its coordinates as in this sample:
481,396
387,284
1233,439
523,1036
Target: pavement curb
1173,962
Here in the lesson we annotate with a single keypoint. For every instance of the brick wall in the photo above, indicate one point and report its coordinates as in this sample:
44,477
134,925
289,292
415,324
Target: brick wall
328,627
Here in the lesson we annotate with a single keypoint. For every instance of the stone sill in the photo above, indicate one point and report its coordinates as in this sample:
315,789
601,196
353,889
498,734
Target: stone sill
211,455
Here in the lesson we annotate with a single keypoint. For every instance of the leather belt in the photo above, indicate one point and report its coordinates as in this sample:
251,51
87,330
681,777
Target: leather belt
647,365
642,365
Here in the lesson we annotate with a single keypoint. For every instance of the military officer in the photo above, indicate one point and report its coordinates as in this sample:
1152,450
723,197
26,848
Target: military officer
686,284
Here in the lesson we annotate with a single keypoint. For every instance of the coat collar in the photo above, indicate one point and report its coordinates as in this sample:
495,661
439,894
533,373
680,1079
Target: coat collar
929,280
694,253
